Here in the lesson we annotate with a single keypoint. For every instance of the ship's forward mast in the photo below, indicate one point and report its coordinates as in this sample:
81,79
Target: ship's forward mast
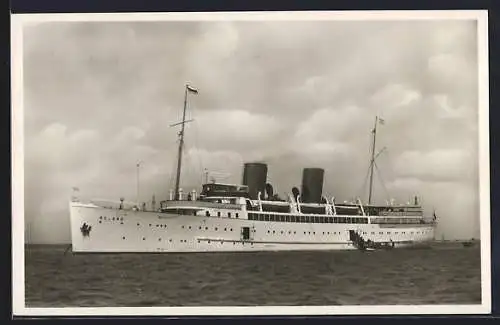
374,155
188,90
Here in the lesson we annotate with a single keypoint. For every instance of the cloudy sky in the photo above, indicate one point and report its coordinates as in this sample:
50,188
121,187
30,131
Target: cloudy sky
99,96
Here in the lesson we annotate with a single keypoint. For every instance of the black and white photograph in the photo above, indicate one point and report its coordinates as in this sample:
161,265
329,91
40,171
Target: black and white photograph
251,163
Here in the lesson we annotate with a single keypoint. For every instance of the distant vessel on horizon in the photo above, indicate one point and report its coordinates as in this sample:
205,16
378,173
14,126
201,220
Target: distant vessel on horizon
248,217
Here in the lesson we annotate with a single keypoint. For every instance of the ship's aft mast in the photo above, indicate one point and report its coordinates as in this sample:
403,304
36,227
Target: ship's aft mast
372,161
188,89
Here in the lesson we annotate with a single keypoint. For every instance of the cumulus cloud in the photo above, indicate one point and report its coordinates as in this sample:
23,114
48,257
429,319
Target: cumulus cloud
436,165
100,96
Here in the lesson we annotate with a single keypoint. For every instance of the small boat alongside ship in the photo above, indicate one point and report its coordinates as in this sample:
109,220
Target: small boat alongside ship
248,217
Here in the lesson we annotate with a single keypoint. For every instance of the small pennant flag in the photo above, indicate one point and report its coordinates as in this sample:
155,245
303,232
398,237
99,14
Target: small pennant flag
191,89
381,121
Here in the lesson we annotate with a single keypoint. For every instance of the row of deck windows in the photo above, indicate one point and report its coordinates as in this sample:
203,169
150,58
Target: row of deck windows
185,241
188,227
269,231
305,232
207,213
206,228
305,218
397,220
406,213
289,232
396,233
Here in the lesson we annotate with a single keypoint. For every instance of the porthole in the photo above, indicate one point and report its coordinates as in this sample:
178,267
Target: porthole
199,227
189,227
170,240
206,228
159,239
282,232
100,221
269,231
225,229
209,241
182,227
289,232
231,229
100,217
229,214
323,232
218,213
198,241
216,228
137,223
150,225
294,232
274,232
143,238
123,237
237,216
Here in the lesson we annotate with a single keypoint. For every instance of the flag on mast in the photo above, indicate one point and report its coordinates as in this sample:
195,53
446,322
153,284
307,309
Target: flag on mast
381,121
191,89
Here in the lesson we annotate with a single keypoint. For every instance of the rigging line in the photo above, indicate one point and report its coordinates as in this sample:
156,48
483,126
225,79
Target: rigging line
170,175
369,167
189,164
379,173
365,181
196,145
173,169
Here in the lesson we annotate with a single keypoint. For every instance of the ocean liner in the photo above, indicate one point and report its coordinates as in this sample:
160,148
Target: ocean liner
248,217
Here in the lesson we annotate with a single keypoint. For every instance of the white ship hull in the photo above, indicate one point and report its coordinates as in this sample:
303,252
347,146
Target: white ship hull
115,230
